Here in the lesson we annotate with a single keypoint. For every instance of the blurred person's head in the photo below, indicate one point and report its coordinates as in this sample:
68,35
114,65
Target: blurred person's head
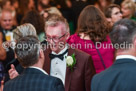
42,9
124,31
45,2
6,19
29,53
128,8
6,4
14,3
49,11
53,10
35,19
113,13
93,23
42,6
31,4
102,4
57,32
24,30
25,6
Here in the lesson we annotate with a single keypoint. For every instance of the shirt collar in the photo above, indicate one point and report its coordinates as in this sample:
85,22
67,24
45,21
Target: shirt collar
39,69
62,51
126,56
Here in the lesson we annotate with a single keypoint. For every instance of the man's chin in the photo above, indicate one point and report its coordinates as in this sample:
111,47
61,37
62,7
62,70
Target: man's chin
53,49
8,28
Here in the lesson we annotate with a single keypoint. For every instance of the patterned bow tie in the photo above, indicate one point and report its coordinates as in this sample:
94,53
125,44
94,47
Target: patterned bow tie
61,56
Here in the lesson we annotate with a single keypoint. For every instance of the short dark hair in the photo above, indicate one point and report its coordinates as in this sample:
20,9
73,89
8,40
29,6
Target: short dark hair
27,50
123,31
108,10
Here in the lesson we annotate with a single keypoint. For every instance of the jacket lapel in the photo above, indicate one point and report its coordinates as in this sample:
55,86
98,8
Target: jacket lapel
47,62
68,72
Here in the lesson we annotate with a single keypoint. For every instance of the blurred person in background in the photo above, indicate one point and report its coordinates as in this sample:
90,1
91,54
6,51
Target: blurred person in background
34,18
42,7
128,9
77,7
6,27
24,7
14,4
113,13
9,4
118,2
102,4
46,10
92,28
65,7
6,20
21,31
2,58
6,4
14,8
45,2
121,75
2,50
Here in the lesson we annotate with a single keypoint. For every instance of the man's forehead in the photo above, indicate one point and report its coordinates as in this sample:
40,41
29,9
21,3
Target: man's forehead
6,14
115,9
59,27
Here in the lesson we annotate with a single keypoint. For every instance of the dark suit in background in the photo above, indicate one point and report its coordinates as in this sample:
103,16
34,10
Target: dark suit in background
121,76
34,80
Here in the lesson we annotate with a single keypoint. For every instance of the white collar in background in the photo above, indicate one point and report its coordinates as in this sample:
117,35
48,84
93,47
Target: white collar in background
126,56
39,69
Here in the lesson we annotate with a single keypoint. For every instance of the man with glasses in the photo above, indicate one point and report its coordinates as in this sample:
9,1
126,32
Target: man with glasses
79,75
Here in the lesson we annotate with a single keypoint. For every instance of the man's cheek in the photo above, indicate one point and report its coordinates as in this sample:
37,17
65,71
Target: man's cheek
61,45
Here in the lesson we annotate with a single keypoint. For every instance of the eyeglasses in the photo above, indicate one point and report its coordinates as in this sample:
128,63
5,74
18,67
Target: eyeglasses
56,39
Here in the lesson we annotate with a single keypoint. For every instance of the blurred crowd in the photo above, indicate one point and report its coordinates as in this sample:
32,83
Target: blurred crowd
87,24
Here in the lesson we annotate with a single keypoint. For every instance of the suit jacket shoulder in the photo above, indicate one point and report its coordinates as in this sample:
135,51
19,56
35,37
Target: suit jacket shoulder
119,77
34,80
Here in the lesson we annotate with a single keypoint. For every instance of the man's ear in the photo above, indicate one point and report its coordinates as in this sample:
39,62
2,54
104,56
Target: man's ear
41,53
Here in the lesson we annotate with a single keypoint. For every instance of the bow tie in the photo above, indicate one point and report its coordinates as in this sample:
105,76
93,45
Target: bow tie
61,56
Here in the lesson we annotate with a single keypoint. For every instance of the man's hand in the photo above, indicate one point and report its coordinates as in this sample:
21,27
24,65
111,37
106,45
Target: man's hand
2,85
12,72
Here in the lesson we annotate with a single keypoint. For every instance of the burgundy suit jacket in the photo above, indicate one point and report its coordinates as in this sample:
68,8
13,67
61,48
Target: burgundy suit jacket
80,78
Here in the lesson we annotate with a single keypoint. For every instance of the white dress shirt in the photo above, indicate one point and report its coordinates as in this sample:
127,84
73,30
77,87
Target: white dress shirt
39,69
58,66
126,56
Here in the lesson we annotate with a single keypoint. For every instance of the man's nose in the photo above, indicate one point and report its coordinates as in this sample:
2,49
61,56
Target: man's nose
51,41
7,22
